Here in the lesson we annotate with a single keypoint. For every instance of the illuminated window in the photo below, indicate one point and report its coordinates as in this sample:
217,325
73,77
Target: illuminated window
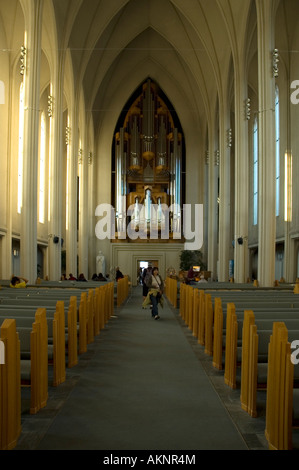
2,92
255,172
50,163
80,175
42,167
288,187
67,138
277,150
20,151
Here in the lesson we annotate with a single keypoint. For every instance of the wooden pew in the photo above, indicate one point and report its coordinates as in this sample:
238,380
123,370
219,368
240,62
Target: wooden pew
83,323
122,290
72,339
279,407
71,319
171,290
10,391
256,337
233,342
34,359
218,334
212,325
39,361
101,304
30,337
242,300
58,347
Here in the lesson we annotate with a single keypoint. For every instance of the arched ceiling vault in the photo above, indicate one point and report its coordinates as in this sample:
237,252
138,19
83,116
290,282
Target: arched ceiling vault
186,45
185,41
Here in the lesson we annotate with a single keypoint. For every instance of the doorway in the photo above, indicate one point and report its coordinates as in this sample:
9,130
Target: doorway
142,265
15,257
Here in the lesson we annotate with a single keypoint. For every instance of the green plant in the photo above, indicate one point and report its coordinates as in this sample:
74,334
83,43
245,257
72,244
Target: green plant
191,258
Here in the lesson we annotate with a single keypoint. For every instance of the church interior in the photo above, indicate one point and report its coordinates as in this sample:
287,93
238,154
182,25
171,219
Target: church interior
133,131
149,104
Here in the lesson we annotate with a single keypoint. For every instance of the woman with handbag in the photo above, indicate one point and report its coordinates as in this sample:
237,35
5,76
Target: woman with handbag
155,290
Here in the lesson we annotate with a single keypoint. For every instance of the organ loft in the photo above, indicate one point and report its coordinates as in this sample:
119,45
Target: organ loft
148,172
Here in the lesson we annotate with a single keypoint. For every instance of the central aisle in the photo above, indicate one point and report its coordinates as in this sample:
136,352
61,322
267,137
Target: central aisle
143,389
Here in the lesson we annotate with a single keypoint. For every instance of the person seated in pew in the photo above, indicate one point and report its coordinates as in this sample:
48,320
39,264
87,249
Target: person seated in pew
18,282
101,278
81,278
190,276
118,274
72,278
94,277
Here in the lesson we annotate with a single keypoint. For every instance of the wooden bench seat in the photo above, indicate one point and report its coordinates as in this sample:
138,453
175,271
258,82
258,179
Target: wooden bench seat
26,322
57,346
10,396
256,336
230,338
33,358
282,399
86,314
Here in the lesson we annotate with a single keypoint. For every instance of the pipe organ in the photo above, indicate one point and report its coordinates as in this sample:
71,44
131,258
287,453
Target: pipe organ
148,168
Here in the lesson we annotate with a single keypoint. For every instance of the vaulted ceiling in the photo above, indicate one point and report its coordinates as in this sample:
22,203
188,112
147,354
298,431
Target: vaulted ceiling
184,45
189,47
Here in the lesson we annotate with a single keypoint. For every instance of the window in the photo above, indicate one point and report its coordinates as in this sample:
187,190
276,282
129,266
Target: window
2,92
277,150
255,171
50,161
42,166
68,162
20,150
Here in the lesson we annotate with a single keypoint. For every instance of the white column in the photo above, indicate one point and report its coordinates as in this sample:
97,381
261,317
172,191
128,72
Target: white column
241,178
56,173
267,188
83,212
91,218
71,232
212,209
224,196
33,22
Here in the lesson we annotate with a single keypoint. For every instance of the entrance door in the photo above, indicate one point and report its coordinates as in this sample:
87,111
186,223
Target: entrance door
15,257
144,264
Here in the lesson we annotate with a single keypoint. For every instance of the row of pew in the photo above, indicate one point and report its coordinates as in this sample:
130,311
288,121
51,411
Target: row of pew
43,332
253,332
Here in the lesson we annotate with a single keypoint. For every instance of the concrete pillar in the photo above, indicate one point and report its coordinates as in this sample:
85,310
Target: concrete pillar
33,22
71,232
266,130
212,206
224,196
56,173
83,210
91,215
241,177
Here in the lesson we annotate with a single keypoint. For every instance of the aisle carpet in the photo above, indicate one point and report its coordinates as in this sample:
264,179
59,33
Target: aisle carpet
142,389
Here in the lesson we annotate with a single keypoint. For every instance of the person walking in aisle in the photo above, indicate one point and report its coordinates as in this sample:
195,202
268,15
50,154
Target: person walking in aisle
155,290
